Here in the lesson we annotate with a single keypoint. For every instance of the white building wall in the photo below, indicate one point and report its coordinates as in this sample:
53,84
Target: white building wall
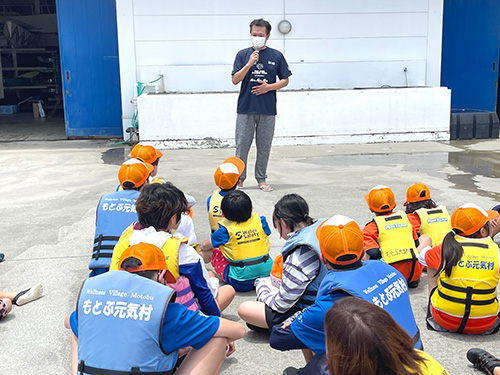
341,44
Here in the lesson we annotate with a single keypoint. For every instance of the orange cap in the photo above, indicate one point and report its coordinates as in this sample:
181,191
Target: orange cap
380,199
340,236
228,173
134,171
151,257
416,193
469,218
148,154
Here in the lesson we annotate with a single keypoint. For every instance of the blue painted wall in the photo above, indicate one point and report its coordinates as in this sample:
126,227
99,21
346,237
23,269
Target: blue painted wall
471,32
88,44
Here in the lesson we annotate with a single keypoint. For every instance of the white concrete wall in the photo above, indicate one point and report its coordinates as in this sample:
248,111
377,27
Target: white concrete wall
313,117
341,44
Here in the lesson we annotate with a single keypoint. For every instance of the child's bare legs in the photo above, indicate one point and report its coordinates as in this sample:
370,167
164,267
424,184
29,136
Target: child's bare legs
6,295
253,312
206,255
308,354
225,296
23,297
205,361
432,278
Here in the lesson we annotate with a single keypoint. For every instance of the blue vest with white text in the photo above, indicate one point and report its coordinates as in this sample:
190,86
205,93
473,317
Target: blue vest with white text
380,284
116,211
307,237
120,317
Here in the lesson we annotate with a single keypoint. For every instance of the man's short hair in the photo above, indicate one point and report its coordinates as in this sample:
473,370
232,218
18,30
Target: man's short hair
261,22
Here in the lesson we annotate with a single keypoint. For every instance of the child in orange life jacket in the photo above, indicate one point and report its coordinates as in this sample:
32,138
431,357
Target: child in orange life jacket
390,235
226,177
463,274
425,215
241,243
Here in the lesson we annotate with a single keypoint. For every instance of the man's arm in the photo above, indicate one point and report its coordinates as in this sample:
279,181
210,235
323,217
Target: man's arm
266,87
240,74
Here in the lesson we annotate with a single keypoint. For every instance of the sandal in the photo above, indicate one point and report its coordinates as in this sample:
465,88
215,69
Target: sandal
264,186
483,360
28,295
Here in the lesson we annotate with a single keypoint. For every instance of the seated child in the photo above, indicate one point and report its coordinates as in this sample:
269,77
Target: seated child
226,178
116,211
150,155
159,209
390,235
241,242
119,331
341,243
463,274
425,215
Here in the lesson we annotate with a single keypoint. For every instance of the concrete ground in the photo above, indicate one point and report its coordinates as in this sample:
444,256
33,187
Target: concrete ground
50,190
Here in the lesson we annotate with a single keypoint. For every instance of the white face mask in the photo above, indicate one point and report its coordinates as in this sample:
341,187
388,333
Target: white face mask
258,42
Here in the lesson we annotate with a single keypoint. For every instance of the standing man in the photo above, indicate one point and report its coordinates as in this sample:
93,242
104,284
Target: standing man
256,68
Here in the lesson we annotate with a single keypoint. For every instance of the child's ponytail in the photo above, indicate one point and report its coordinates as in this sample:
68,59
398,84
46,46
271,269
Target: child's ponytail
451,253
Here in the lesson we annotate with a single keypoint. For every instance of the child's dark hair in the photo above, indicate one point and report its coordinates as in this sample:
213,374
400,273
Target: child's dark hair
231,188
236,206
127,185
344,267
133,262
427,204
158,203
452,251
293,209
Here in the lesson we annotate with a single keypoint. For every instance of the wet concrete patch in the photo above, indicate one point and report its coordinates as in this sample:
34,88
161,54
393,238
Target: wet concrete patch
468,165
473,164
114,156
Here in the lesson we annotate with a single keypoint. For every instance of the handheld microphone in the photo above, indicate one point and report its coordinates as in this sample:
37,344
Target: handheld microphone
256,49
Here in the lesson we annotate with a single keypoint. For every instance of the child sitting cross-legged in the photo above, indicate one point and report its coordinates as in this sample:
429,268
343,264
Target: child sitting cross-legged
239,249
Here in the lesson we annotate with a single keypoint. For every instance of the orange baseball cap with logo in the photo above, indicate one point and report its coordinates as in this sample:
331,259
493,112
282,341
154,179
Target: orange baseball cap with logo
416,193
135,172
148,154
469,218
151,257
380,199
340,240
228,173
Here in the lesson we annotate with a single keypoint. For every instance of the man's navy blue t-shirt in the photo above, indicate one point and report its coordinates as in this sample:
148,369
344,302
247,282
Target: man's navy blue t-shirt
271,64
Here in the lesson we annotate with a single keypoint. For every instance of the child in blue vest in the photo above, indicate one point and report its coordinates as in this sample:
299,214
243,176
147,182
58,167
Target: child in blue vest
127,323
116,211
341,243
226,177
241,243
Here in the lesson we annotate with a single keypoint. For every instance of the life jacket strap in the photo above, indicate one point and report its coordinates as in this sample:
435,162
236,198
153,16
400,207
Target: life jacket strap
466,290
96,252
467,301
438,211
415,338
244,263
84,369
